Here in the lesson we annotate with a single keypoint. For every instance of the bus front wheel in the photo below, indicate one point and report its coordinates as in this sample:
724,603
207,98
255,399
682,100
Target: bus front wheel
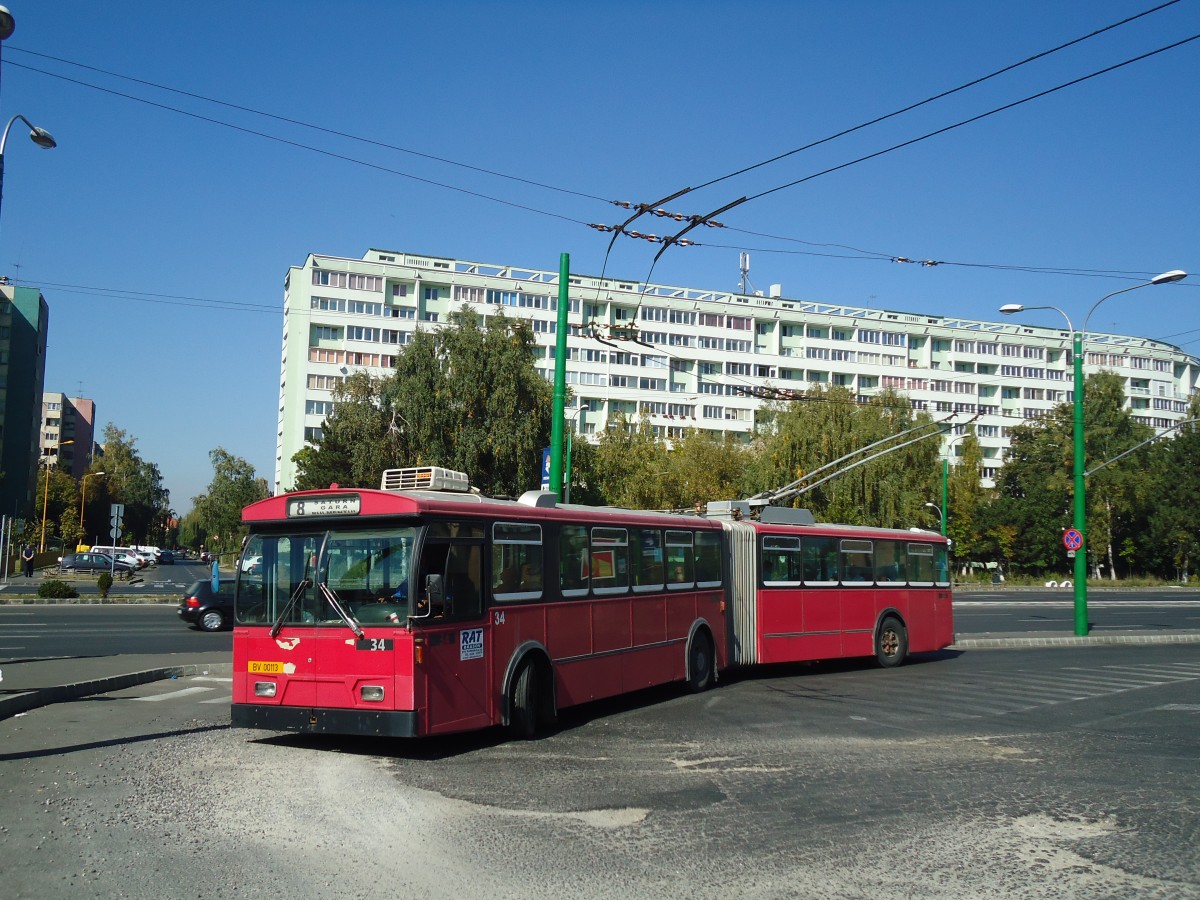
891,647
523,703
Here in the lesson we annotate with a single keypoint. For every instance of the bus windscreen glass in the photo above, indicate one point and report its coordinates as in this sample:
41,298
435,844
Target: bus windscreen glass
360,567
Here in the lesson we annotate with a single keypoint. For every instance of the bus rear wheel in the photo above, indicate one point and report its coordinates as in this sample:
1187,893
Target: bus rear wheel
701,663
523,704
891,646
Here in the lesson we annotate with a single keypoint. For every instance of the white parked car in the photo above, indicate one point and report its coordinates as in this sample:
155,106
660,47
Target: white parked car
251,564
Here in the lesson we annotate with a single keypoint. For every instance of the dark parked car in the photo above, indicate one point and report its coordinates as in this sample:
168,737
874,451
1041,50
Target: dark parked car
206,610
92,562
166,558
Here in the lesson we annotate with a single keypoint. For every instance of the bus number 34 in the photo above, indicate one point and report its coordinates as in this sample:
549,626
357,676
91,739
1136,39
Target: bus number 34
498,617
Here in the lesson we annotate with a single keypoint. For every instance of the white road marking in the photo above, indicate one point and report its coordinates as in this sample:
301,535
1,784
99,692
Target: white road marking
174,694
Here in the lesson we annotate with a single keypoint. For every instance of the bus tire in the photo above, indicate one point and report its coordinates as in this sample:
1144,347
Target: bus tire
523,703
702,667
891,644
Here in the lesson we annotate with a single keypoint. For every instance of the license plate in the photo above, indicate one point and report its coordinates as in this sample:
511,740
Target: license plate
265,668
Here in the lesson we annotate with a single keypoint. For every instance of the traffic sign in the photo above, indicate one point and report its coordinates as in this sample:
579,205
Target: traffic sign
116,513
1072,539
545,468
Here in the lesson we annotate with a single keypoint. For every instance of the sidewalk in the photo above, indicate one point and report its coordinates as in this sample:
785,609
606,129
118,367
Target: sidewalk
28,684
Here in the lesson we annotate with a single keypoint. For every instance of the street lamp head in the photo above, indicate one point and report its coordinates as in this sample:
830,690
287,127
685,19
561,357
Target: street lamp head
42,138
7,24
1168,277
1009,308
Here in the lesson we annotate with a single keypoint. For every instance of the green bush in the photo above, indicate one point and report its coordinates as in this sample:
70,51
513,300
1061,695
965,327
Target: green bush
57,590
104,582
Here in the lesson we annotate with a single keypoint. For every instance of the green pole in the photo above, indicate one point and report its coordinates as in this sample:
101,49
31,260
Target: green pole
567,469
945,488
1081,567
560,377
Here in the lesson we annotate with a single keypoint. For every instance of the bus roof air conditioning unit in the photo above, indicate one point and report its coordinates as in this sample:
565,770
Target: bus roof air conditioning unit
425,478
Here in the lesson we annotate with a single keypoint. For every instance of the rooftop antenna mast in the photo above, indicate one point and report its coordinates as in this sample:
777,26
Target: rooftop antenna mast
744,266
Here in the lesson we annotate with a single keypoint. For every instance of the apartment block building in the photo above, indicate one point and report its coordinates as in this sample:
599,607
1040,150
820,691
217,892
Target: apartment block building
68,432
24,324
690,358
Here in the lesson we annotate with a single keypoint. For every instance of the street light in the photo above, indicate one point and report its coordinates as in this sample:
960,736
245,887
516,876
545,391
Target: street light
941,515
46,492
83,495
566,497
39,136
945,507
1081,568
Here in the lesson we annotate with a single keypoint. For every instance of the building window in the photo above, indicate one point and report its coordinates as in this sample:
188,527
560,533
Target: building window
328,304
325,278
326,333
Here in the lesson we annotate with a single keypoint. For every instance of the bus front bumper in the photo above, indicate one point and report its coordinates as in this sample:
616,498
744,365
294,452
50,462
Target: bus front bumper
384,723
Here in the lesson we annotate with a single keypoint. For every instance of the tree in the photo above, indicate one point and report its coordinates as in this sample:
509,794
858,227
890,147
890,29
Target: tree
234,486
966,497
466,397
1023,523
61,512
132,481
630,466
355,445
1171,544
1035,488
827,423
1116,493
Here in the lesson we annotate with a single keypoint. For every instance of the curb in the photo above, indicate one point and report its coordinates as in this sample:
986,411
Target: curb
1002,643
19,703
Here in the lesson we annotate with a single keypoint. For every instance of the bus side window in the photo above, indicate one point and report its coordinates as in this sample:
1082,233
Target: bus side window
573,569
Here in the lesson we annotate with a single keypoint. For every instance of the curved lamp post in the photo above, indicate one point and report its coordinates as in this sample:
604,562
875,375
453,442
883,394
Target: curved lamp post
945,507
1081,568
39,136
941,515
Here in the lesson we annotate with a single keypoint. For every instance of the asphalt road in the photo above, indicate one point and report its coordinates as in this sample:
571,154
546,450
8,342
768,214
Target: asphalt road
1014,774
29,631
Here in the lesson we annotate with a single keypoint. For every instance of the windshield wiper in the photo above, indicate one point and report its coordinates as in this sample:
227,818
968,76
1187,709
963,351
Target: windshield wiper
304,585
350,621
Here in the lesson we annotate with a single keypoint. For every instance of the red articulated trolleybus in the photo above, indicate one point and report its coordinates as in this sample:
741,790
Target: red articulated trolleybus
425,608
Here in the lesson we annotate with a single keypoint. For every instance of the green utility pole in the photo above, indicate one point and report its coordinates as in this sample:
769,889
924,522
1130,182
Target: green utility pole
560,377
945,489
1081,567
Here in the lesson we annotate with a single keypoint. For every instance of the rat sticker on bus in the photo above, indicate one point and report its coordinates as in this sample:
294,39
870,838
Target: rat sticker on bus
470,644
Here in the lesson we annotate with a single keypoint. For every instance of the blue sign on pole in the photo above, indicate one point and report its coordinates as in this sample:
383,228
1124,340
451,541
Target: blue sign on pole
545,468
1072,539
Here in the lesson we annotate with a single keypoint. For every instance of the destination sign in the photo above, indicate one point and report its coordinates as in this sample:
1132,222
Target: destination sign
313,507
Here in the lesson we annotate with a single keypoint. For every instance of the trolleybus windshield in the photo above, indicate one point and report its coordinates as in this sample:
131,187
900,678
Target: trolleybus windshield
306,576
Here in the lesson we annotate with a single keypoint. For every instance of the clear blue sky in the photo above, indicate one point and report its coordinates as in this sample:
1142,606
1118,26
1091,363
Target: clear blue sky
161,240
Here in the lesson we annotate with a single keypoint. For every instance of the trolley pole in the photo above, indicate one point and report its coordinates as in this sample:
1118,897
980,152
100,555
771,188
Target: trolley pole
560,377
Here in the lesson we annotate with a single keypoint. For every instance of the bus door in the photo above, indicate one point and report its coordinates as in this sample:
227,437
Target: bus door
453,654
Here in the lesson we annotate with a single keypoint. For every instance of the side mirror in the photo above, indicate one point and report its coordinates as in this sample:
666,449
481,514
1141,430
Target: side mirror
435,594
